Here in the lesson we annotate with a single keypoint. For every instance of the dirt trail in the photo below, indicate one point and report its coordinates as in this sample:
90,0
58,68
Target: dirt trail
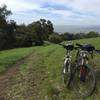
11,71
25,83
5,76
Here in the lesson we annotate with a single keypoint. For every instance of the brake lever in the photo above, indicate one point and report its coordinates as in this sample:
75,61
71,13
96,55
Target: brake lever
98,51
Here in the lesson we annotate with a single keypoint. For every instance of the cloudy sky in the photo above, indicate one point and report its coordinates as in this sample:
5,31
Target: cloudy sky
60,12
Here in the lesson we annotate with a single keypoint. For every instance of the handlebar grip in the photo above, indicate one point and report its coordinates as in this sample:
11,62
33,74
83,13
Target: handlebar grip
98,51
79,45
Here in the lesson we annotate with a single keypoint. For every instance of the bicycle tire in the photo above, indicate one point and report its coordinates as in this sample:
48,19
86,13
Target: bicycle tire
75,82
67,75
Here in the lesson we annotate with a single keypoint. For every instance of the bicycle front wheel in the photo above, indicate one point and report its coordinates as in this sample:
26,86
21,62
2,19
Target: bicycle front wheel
84,81
67,73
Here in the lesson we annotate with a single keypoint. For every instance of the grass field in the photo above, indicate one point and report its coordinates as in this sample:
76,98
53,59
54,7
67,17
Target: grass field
9,57
40,76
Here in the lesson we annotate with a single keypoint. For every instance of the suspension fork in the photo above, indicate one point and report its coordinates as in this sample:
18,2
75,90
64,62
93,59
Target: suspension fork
67,60
82,70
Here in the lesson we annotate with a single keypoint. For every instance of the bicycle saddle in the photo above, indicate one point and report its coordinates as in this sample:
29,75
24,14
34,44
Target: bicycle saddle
69,46
87,47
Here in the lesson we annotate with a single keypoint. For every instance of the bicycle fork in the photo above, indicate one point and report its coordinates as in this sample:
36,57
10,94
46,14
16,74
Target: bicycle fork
82,70
67,65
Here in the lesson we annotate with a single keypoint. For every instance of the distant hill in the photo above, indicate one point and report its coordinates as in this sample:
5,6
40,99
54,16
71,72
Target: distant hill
75,28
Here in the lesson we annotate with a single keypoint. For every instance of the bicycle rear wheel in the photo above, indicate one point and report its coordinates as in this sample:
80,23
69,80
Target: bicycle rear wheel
84,86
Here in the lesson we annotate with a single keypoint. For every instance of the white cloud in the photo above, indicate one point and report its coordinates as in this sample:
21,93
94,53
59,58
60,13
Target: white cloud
89,10
62,12
19,5
89,6
92,6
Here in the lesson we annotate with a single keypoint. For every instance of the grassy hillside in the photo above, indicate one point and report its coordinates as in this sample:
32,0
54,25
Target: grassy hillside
40,77
9,57
94,41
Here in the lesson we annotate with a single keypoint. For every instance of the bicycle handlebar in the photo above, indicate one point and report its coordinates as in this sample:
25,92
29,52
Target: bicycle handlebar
88,46
80,46
65,46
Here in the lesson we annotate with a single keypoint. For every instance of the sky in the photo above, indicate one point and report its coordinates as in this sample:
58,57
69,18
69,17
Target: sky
60,12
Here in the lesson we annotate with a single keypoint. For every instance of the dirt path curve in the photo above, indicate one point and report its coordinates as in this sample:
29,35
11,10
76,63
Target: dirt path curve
11,71
5,76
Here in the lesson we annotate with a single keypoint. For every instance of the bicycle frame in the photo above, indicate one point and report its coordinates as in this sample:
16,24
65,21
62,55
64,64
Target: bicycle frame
67,60
83,57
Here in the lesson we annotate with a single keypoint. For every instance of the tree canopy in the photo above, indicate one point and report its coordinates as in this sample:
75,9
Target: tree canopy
7,36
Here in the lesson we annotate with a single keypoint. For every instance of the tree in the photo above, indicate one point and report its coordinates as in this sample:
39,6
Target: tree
7,36
4,13
55,38
92,34
67,36
47,28
23,36
41,30
36,32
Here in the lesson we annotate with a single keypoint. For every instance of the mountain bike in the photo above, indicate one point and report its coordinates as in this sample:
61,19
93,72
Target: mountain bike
81,75
67,65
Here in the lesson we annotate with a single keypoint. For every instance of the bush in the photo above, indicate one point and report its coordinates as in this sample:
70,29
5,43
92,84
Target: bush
92,34
55,38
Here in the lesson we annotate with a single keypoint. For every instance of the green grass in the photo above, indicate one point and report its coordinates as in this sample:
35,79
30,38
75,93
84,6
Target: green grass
9,57
45,68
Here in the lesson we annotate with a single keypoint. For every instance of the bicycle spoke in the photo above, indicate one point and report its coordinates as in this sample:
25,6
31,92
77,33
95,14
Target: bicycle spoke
83,87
